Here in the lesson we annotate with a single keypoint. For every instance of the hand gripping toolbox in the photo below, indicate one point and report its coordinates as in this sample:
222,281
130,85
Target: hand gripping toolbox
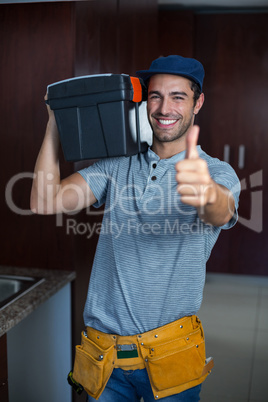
100,116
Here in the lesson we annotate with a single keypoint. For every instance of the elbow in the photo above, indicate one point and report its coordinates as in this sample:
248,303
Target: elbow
40,207
33,204
34,207
37,205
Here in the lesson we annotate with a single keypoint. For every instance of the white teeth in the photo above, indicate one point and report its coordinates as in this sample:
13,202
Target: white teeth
166,122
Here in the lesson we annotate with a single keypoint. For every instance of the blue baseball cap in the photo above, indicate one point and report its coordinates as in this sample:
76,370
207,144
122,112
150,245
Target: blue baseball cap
175,65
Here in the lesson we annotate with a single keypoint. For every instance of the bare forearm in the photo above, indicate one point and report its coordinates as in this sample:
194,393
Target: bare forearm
220,206
46,173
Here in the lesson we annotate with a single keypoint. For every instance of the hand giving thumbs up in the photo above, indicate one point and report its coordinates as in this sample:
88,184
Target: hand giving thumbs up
191,143
194,182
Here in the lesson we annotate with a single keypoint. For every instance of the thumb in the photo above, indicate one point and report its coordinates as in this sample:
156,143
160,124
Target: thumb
191,143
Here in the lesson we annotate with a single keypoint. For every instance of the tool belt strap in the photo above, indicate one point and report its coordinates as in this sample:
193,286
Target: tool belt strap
173,355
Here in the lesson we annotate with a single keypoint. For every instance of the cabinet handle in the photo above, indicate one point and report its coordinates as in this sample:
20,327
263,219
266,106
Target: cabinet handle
241,156
226,153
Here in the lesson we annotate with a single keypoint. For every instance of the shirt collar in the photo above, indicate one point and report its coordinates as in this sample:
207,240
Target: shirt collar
152,156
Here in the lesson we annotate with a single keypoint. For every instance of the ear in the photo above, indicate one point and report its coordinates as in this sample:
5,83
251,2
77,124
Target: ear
199,103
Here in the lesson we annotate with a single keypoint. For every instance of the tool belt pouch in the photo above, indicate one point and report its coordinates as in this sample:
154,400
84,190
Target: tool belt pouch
93,365
177,363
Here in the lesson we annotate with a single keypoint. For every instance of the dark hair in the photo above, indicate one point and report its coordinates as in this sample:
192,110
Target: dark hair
196,90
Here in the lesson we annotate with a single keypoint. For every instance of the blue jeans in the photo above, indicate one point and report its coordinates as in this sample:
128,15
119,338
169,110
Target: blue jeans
131,385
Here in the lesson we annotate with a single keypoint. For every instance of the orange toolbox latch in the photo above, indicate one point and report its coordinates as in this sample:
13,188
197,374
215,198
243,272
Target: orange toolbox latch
137,89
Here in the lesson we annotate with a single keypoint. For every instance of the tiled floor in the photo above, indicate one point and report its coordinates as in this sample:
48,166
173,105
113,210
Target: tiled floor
234,314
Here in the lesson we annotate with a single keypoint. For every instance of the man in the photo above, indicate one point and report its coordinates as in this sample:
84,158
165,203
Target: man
164,210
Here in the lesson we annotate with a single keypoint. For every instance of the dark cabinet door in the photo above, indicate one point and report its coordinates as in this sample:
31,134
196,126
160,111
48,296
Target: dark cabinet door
234,120
3,369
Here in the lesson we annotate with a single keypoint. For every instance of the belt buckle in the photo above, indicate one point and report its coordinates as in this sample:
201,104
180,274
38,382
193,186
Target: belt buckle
127,351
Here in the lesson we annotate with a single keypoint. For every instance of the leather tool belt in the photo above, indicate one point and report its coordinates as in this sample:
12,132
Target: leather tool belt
173,355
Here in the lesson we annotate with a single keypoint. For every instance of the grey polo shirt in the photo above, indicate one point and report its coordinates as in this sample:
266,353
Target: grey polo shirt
149,266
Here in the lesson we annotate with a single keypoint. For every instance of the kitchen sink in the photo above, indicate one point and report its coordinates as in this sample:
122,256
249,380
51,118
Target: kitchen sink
13,287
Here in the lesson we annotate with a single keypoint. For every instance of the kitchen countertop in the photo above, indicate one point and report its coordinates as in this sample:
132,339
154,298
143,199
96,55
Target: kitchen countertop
13,313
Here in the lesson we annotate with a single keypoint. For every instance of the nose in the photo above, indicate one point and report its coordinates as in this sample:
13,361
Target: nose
164,107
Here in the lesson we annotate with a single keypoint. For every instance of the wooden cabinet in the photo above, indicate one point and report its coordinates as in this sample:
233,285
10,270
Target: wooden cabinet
36,49
234,51
39,352
3,369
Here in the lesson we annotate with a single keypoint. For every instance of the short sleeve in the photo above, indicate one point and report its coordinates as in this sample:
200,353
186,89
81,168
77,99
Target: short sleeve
98,177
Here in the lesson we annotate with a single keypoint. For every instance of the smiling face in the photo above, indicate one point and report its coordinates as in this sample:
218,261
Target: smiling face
170,107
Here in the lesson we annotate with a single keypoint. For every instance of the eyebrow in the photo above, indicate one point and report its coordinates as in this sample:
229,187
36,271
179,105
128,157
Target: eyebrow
178,93
173,93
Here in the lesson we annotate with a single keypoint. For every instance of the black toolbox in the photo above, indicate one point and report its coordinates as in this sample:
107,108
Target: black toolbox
100,116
